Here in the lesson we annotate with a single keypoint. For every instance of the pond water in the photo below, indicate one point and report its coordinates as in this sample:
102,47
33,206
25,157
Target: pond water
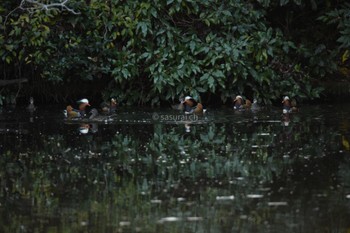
155,170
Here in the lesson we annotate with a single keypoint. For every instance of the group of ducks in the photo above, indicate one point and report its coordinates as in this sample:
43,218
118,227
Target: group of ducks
239,103
105,109
188,105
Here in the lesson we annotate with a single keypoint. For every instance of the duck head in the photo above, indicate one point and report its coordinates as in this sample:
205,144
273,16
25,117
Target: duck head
113,105
190,105
31,107
114,102
286,101
109,107
69,108
83,103
188,101
237,102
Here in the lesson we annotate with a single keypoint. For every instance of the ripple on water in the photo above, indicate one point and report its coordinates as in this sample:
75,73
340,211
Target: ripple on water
277,203
255,196
194,219
177,219
169,219
124,223
225,198
156,201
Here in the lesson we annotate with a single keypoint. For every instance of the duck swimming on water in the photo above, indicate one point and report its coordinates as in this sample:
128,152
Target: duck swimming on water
289,106
106,111
31,107
239,103
189,106
83,103
255,106
70,112
109,108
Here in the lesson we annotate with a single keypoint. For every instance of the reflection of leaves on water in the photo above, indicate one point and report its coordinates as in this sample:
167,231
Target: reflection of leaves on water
137,164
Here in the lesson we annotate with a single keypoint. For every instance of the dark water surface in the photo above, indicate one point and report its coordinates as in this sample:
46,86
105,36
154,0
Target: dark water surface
159,171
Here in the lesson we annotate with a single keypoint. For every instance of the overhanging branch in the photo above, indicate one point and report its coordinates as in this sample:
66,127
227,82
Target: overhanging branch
34,5
12,81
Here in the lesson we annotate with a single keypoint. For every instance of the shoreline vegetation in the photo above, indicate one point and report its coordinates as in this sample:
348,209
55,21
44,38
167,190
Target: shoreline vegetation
149,54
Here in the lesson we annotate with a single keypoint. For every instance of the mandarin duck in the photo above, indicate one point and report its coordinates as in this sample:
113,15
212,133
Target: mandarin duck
179,106
106,110
70,112
239,103
83,103
288,105
110,107
93,113
189,106
255,106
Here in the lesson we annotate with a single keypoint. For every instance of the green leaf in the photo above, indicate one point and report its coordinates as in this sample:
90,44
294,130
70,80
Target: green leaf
204,77
283,2
143,26
192,46
125,73
8,59
200,89
218,74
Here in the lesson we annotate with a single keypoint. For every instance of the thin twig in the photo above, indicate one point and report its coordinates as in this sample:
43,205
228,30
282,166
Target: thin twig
41,6
8,15
37,5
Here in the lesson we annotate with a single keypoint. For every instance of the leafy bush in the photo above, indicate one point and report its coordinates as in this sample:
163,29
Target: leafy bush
147,52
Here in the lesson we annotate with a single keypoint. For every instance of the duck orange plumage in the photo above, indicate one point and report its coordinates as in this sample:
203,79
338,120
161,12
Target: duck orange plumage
239,103
70,112
192,106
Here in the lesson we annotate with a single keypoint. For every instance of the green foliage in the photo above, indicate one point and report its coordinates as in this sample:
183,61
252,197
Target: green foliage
149,52
340,18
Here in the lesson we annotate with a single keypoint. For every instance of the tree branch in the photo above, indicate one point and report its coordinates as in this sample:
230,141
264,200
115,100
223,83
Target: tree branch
33,5
12,81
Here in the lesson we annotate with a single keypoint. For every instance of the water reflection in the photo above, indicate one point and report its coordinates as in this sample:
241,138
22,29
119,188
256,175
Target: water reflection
85,128
229,172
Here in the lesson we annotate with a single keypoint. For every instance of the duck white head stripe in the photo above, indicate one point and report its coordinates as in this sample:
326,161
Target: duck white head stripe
85,101
238,97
